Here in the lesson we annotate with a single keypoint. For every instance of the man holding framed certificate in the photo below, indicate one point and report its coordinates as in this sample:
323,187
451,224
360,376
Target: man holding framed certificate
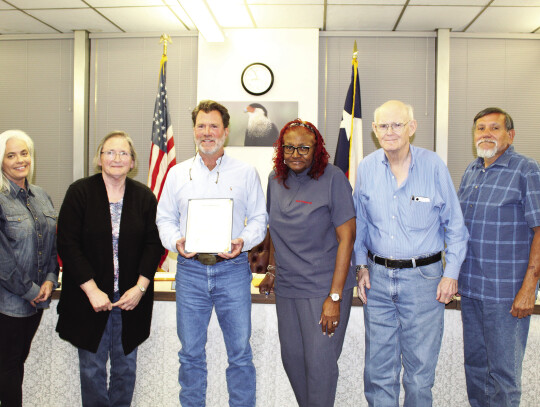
212,211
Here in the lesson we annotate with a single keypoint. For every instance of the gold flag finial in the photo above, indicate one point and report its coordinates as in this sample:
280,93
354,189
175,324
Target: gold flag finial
355,51
165,38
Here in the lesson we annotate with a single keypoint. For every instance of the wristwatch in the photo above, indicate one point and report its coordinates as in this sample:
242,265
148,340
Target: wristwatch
335,297
143,290
360,267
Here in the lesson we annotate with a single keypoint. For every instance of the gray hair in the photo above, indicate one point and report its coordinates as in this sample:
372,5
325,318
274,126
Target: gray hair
19,135
117,133
508,122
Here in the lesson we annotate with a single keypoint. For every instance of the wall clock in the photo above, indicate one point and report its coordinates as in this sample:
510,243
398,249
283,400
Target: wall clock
257,79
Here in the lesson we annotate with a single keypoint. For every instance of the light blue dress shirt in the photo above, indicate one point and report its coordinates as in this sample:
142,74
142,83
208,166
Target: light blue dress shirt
191,179
413,220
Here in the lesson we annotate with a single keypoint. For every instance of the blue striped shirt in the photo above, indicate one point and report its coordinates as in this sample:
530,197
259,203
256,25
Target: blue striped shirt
501,205
413,220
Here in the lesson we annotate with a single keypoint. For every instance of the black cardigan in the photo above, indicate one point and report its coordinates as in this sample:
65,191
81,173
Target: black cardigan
85,247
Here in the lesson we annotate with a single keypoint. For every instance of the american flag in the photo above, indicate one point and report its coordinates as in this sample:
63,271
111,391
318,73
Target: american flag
349,150
162,154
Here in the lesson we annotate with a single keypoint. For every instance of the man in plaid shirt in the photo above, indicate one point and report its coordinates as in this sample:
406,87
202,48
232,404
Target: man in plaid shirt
500,200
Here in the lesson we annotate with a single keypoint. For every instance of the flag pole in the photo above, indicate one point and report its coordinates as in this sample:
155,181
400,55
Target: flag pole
355,64
162,151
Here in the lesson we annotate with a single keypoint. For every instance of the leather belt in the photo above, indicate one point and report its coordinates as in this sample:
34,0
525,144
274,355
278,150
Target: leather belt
208,259
405,264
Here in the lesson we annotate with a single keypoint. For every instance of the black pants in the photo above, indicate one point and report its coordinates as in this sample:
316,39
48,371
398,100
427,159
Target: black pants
16,336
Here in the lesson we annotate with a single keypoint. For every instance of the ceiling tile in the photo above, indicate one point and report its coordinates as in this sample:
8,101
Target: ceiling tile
179,11
29,4
141,19
448,2
126,3
428,18
507,20
514,3
359,18
230,13
287,16
16,22
286,2
5,6
368,2
75,19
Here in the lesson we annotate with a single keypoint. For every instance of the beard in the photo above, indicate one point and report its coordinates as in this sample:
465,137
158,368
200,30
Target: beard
218,145
486,152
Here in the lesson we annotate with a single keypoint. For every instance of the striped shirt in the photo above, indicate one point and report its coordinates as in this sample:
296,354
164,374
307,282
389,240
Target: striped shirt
501,205
420,217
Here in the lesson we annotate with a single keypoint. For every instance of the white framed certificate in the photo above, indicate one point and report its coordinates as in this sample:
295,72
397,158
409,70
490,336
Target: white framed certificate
209,225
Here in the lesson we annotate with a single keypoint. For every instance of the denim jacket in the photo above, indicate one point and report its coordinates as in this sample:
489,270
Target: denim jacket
27,248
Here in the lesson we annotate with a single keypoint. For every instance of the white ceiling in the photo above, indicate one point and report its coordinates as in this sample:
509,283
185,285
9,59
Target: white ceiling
132,16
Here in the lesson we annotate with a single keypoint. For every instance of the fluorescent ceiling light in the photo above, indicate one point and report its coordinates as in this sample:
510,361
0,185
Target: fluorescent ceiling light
231,13
203,19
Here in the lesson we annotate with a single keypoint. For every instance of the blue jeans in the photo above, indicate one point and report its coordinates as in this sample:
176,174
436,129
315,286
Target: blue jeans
225,285
93,370
494,345
404,325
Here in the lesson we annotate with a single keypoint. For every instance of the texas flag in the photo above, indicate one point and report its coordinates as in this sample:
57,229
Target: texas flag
349,150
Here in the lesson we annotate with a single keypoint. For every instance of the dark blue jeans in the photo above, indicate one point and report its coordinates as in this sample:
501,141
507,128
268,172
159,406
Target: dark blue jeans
199,288
494,345
93,369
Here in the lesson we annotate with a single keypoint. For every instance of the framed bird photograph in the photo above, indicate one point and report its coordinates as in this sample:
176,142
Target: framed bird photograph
257,124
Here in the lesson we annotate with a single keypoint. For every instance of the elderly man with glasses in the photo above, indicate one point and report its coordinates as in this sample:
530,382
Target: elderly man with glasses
408,213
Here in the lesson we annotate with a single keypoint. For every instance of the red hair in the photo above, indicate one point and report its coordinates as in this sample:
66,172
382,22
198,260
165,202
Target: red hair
320,155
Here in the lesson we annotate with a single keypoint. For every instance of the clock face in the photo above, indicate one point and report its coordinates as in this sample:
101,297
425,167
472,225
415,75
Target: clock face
257,79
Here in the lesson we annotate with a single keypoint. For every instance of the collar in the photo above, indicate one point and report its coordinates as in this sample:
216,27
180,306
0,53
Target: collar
220,161
300,177
412,150
14,189
503,160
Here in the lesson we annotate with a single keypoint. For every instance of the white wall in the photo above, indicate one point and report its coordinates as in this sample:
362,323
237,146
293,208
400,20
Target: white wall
292,55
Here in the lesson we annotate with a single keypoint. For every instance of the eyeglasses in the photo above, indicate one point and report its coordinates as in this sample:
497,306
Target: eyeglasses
111,154
302,150
397,127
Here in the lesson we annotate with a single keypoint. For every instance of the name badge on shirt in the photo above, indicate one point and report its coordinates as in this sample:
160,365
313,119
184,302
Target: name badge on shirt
420,198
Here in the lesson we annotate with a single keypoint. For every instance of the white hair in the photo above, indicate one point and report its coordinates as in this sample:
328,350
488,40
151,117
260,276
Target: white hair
19,135
408,108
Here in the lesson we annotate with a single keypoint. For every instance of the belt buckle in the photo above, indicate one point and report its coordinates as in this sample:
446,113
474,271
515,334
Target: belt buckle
386,262
207,259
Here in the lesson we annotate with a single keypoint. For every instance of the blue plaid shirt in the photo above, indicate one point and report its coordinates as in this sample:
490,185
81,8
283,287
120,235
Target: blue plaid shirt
501,205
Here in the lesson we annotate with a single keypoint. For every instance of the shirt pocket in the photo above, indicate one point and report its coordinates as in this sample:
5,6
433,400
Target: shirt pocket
51,217
19,226
419,215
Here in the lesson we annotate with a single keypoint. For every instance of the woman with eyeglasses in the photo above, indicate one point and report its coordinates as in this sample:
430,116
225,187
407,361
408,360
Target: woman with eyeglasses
110,248
28,261
312,230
